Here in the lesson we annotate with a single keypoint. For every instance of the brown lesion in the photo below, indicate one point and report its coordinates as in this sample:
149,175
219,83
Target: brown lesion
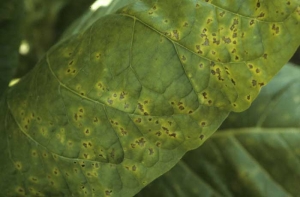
141,142
199,51
108,192
275,29
222,14
261,15
204,94
209,21
172,135
265,56
258,4
165,129
175,34
201,137
138,120
151,151
141,107
226,40
133,168
232,81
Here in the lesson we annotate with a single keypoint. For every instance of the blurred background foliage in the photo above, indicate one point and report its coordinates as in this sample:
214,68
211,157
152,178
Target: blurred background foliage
45,21
11,15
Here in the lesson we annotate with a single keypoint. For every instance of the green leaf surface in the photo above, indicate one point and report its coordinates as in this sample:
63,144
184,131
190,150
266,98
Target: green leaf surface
276,106
253,161
110,109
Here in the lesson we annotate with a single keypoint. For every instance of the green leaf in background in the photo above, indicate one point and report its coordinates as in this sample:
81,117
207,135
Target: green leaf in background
43,23
252,161
91,16
110,109
10,20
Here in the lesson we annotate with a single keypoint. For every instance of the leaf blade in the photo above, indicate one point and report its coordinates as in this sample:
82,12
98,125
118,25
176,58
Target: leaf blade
97,99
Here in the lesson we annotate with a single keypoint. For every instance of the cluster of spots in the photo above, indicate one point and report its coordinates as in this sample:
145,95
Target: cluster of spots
180,106
70,69
101,88
28,119
198,49
206,98
163,132
118,100
95,165
82,163
87,149
142,107
233,26
168,136
78,116
175,35
139,142
132,168
254,83
108,192
275,28
152,10
84,189
257,72
216,71
56,172
80,90
205,37
167,132
35,192
122,130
